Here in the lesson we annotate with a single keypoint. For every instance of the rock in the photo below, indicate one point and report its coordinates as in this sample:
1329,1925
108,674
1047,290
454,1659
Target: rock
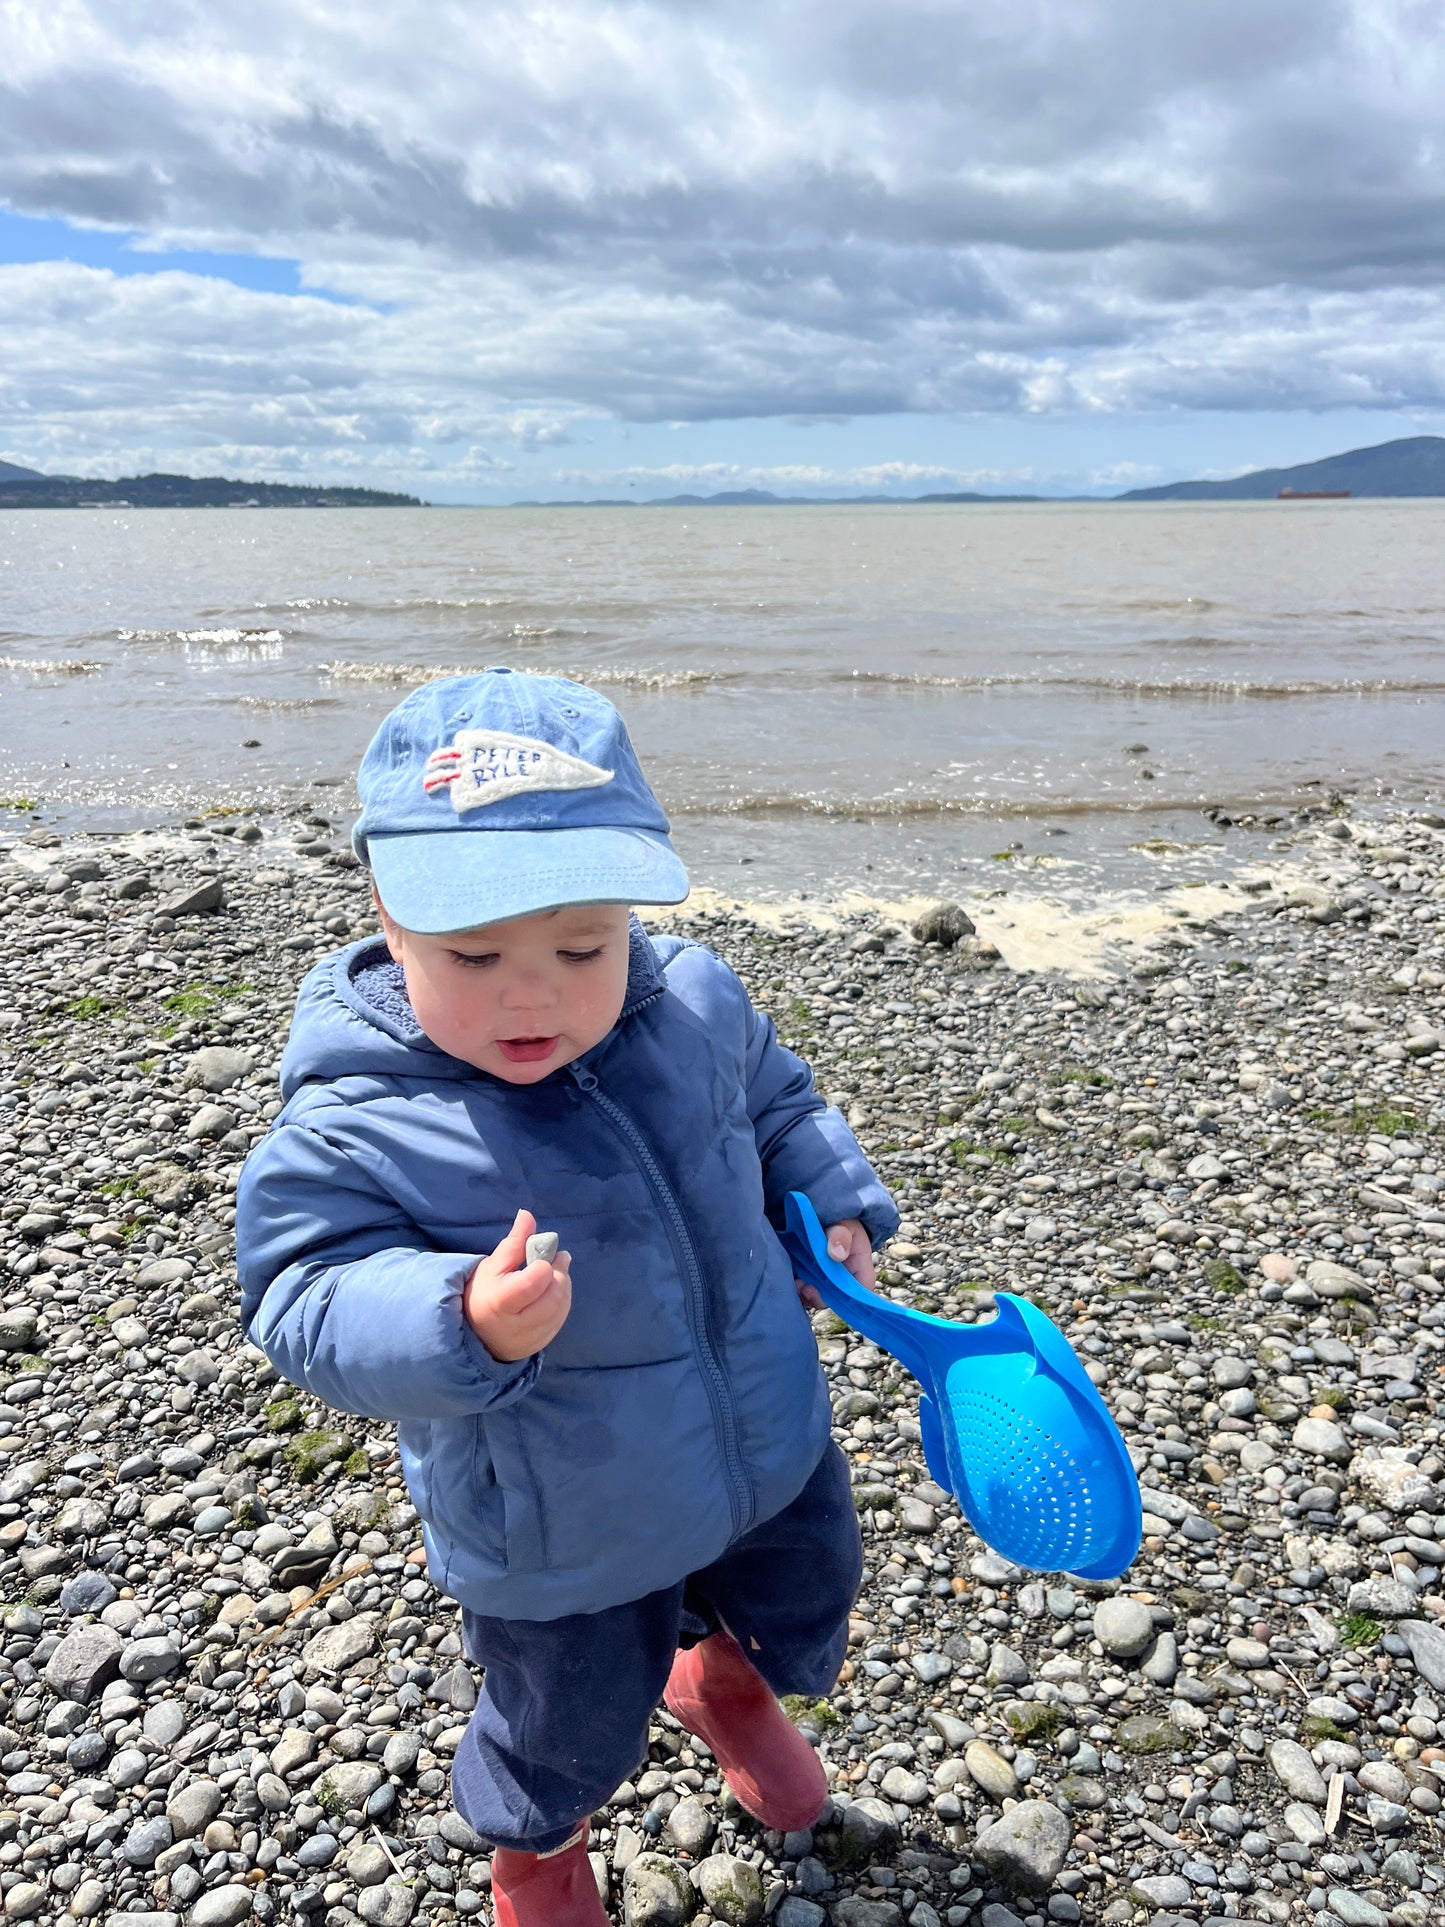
1386,1779
931,1667
25,1900
401,1754
170,1187
918,1517
1123,1626
990,1771
87,1592
1007,1668
945,923
1354,1910
351,1783
367,1864
797,1912
1321,1438
199,901
338,1647
197,1368
84,1662
905,1788
1161,1890
1335,1281
305,1564
656,1892
19,1326
1297,1772
1161,1662
146,1841
1205,1167
164,1271
210,1120
217,1067
854,1912
221,1907
146,1659
1026,1848
692,1827
1392,1481
732,1889
1305,1825
542,1245
390,1905
1427,1649
164,1722
869,1831
1144,1734
193,1808
1381,1598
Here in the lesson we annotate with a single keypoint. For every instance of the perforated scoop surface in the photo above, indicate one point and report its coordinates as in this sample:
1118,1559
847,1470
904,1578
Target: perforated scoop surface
1025,1492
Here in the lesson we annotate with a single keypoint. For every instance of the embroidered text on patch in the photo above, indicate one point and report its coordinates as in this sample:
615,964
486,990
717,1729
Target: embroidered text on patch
488,765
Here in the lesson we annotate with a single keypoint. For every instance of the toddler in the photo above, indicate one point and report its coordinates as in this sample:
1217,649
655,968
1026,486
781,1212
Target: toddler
625,1476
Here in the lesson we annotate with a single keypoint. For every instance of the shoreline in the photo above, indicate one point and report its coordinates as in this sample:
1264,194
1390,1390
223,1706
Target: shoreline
1208,1138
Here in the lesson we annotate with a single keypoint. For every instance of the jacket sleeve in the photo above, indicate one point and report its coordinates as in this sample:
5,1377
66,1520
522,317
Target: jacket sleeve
345,1297
804,1144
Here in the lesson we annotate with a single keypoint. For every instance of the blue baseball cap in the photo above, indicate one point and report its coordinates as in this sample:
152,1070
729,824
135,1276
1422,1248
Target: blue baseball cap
500,795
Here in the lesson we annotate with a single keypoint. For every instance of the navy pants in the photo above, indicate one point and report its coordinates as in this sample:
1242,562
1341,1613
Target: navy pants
563,1716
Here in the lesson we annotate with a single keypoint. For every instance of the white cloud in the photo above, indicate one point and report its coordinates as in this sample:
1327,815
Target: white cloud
544,212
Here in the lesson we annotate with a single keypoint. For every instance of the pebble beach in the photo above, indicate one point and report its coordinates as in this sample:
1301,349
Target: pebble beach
1211,1145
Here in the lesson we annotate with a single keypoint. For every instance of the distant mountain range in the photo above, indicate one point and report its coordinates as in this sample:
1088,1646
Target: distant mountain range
24,488
1414,466
733,498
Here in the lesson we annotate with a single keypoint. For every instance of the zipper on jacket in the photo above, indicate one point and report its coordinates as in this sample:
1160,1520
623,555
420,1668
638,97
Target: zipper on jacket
742,1499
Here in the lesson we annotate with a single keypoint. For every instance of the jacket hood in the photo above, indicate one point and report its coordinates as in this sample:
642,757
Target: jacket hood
354,1019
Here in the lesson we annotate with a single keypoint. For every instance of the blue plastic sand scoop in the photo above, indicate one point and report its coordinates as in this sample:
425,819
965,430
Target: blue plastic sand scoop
1011,1423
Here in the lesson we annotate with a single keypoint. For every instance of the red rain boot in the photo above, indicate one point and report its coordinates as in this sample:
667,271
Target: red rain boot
770,1767
554,1889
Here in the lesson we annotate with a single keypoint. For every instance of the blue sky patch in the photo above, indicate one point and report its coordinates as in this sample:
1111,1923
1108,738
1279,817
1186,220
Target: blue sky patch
27,238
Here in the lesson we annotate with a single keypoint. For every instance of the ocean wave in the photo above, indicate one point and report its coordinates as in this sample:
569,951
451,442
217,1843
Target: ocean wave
904,808
1177,687
287,702
602,678
216,638
49,666
1190,605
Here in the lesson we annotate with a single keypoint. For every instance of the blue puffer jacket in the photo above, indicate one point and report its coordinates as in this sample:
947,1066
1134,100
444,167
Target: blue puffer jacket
682,1402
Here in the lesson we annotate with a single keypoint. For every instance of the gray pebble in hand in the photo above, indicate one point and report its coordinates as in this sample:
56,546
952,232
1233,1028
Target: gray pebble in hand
542,1244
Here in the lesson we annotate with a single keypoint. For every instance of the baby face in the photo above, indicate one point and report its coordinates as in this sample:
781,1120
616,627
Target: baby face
518,999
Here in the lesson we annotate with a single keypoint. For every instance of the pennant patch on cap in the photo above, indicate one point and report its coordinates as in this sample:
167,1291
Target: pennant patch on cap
489,765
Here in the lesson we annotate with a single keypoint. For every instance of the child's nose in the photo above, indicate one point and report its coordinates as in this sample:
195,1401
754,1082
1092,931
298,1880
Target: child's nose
530,992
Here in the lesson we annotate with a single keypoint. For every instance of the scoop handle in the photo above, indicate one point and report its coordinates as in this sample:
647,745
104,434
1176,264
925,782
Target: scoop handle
870,1315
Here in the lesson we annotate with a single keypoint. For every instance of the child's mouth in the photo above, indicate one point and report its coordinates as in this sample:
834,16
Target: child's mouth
526,1050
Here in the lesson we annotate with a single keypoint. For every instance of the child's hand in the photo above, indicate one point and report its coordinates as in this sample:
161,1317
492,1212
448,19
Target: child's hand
848,1246
513,1307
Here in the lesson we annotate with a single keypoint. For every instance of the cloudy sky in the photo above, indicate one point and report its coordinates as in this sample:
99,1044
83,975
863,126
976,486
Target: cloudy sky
565,248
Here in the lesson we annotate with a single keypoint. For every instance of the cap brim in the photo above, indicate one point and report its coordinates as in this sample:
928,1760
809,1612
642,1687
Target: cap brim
435,881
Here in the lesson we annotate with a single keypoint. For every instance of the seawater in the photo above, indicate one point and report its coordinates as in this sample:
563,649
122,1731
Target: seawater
825,697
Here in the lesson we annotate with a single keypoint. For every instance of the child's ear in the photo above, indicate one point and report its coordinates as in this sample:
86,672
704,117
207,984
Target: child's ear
391,930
